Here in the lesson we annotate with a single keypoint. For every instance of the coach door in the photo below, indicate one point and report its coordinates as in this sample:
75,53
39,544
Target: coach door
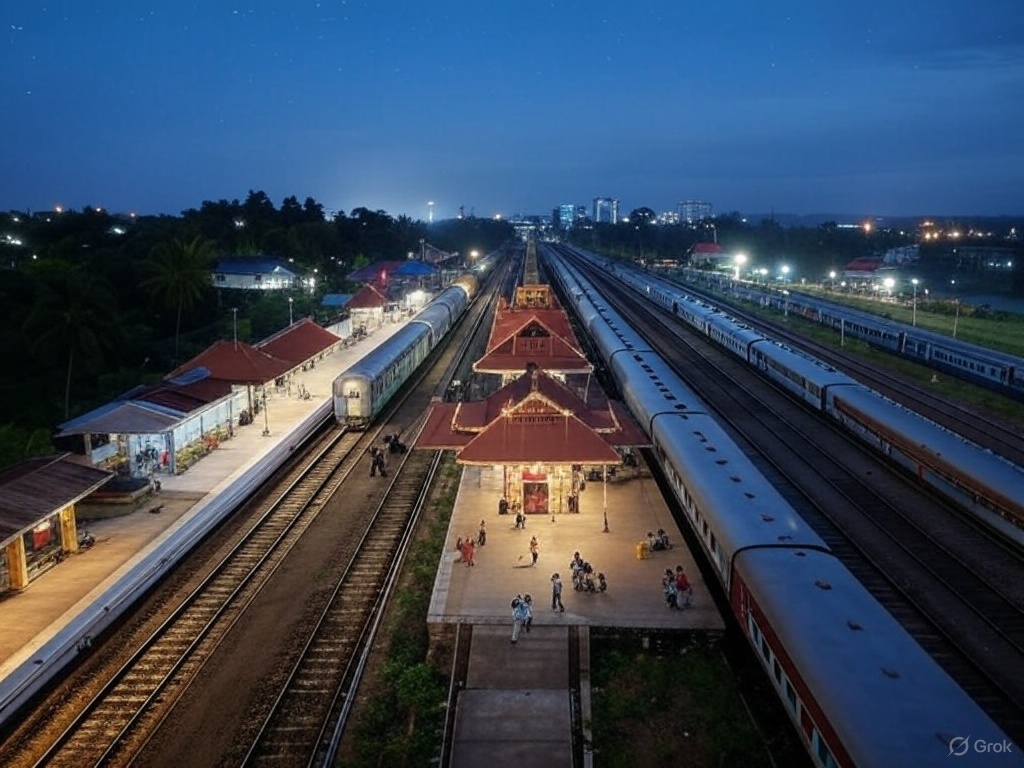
356,401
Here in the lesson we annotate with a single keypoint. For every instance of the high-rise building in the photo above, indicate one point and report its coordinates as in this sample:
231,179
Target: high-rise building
606,210
693,211
566,215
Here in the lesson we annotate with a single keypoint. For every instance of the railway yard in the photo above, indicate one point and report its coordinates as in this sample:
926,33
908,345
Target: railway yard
252,649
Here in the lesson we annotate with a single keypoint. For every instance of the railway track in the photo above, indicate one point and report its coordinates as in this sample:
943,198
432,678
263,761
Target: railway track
309,714
946,579
998,437
129,695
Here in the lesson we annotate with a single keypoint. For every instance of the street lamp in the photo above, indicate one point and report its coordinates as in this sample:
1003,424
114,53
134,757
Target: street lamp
785,272
740,259
430,211
913,317
832,279
266,419
290,320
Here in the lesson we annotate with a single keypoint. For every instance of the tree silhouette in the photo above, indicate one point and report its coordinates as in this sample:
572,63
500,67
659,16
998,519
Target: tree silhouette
178,273
69,317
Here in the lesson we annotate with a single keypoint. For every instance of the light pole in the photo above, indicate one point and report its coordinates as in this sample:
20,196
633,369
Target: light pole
785,273
430,212
740,259
604,485
956,317
234,324
832,280
290,320
266,419
913,317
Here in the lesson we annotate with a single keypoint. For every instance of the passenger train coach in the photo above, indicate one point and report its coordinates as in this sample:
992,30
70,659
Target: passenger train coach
987,367
362,391
859,690
985,484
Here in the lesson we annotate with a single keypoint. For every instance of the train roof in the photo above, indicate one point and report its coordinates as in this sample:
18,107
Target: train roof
990,469
744,508
374,363
649,386
889,702
802,363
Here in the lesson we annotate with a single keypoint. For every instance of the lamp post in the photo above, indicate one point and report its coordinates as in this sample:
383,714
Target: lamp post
832,280
604,485
290,320
785,273
430,212
956,317
266,419
740,259
913,316
234,323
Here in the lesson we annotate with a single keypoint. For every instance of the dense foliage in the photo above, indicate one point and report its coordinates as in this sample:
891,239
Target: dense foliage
93,304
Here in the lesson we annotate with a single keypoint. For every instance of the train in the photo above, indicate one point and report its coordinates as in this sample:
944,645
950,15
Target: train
990,368
859,690
985,484
361,392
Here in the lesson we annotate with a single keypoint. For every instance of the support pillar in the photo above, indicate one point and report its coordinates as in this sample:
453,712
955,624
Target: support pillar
17,565
68,530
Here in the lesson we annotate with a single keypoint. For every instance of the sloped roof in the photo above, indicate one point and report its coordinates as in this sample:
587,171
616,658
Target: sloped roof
36,488
367,297
252,266
707,249
546,438
237,363
540,336
299,342
415,269
863,265
335,299
531,402
379,270
186,397
123,418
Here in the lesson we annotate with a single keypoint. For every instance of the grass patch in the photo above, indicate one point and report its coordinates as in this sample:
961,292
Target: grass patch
674,706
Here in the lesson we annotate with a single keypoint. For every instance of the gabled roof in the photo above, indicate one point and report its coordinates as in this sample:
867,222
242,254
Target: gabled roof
261,265
527,410
549,438
123,418
237,363
367,297
299,342
36,488
540,336
863,265
183,397
707,249
379,270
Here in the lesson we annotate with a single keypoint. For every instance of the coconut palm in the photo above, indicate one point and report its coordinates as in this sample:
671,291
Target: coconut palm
178,273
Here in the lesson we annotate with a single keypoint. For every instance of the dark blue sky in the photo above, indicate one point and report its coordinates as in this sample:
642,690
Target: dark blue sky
879,107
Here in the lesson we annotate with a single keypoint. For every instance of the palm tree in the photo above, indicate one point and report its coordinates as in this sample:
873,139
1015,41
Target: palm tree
177,274
71,315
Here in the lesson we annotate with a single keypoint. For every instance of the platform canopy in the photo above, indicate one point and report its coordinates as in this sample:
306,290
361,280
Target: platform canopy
533,419
236,362
301,341
532,335
32,490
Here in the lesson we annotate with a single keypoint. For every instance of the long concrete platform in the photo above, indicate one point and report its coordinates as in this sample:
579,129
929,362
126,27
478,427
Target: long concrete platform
516,707
31,617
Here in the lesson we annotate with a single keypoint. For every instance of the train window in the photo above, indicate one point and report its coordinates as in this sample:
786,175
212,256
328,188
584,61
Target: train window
765,650
822,751
705,528
777,670
714,543
790,695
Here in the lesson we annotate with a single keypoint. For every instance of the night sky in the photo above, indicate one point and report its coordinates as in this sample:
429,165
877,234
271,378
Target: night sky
876,107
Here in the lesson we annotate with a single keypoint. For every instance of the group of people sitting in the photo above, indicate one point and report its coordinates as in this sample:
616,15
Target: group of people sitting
584,578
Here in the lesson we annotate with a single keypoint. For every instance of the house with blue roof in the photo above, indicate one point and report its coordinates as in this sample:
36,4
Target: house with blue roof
255,273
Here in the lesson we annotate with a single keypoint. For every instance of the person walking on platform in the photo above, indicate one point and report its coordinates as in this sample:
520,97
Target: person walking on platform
529,611
520,610
481,538
684,590
556,593
534,549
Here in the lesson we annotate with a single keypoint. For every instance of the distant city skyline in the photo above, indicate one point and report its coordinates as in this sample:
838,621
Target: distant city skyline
873,108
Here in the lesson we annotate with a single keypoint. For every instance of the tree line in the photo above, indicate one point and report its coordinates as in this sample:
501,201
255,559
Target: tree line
94,304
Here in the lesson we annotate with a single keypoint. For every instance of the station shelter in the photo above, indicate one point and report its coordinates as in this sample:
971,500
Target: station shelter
535,329
37,514
167,427
546,440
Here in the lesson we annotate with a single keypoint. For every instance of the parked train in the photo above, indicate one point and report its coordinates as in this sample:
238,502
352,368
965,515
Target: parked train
987,367
362,391
980,481
859,690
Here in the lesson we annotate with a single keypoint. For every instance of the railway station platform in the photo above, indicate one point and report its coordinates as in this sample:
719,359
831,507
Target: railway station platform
33,616
516,707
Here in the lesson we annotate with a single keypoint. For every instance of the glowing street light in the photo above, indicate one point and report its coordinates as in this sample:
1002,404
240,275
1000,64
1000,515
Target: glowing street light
785,272
889,283
739,259
290,320
913,317
832,279
430,211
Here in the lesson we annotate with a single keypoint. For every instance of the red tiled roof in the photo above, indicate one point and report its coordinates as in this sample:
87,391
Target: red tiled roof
863,265
367,297
706,248
235,362
540,336
185,397
299,342
528,438
437,433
